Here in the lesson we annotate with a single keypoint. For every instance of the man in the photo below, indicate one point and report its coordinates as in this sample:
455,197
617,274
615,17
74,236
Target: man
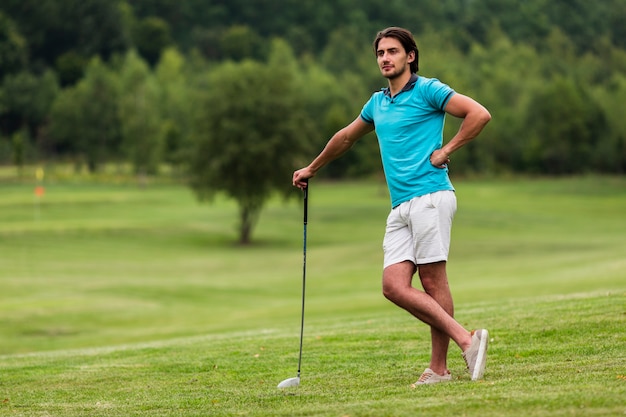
408,117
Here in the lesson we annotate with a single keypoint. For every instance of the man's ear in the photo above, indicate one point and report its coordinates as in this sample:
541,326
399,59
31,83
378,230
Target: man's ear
411,56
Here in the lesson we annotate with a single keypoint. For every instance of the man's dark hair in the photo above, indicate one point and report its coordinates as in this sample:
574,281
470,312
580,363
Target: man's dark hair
405,37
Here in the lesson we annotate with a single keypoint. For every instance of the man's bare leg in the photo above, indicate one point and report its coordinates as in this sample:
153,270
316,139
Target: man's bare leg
435,282
397,287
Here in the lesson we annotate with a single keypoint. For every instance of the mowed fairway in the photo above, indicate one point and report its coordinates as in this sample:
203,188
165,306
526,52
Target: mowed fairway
129,301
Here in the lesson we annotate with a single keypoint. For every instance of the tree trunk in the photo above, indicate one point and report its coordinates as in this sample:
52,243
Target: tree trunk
245,229
249,214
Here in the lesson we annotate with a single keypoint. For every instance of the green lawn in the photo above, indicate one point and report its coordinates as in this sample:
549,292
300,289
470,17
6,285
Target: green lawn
119,300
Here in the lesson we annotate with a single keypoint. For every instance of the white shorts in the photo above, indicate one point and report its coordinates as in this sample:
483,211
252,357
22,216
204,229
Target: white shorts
418,230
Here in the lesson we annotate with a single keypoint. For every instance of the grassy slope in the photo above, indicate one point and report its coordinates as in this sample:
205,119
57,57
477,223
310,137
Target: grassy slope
134,302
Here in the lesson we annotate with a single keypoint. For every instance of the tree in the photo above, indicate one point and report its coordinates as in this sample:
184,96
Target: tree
564,126
152,35
333,101
25,100
610,156
140,124
175,105
504,77
250,135
241,42
52,28
13,49
70,66
84,120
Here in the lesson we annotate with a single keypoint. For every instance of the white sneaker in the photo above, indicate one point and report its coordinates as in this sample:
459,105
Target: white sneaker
476,356
430,377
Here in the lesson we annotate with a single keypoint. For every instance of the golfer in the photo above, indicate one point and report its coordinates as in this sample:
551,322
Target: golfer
408,117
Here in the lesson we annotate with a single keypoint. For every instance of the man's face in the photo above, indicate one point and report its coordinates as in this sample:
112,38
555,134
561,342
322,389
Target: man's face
392,59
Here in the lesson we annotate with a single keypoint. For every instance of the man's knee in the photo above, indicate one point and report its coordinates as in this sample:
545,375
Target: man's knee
433,276
390,290
397,280
429,283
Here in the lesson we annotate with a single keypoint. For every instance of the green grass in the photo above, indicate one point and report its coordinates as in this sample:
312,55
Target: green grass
125,301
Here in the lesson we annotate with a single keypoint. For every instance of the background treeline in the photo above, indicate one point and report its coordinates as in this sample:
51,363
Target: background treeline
159,83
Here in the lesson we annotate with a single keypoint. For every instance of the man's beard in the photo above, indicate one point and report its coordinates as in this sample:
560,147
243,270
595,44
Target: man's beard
394,74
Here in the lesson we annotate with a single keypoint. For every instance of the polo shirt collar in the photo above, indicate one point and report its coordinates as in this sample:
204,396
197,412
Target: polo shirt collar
408,86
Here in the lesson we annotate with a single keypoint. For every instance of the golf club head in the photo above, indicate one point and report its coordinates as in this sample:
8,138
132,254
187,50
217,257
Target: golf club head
290,382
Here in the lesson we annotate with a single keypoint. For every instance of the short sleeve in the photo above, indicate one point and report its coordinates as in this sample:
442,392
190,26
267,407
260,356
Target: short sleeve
437,93
367,113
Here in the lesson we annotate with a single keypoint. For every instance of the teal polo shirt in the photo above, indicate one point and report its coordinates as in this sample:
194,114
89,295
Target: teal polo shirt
409,127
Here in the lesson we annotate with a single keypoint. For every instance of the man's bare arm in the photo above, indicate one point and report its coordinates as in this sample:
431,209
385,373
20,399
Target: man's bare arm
474,116
339,144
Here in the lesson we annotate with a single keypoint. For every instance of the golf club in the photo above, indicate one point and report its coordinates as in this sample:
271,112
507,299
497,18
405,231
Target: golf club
295,381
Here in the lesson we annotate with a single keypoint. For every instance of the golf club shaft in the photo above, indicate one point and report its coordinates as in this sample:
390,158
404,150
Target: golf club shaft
306,209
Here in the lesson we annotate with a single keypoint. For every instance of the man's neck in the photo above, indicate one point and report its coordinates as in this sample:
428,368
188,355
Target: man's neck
396,84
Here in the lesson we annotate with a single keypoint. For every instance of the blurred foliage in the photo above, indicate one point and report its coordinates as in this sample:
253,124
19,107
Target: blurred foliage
147,81
247,146
85,119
